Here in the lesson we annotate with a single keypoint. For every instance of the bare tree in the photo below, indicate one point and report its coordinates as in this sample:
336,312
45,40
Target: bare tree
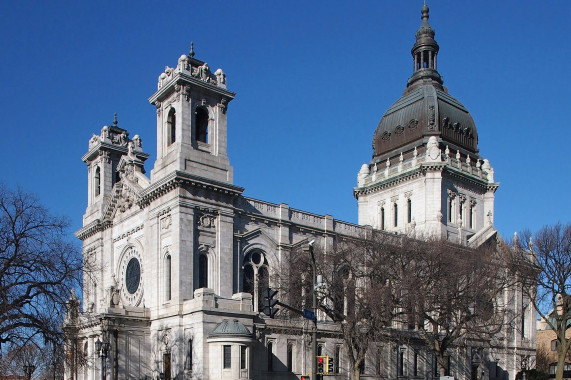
543,265
39,267
358,294
453,295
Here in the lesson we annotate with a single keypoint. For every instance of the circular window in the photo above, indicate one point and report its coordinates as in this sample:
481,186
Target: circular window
130,273
133,275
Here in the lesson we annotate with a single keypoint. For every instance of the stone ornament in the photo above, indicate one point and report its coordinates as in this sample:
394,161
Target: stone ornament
166,222
432,151
206,221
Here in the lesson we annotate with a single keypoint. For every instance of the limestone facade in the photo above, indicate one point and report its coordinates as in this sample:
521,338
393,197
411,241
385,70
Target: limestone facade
180,256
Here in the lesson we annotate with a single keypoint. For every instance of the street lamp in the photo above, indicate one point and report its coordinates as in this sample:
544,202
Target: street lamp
314,308
102,349
28,370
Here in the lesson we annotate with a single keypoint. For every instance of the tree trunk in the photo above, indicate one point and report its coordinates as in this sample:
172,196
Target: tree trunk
356,373
442,363
561,354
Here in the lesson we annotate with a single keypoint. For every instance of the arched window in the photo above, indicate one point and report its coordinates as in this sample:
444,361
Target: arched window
255,276
97,181
396,214
171,127
168,281
382,218
203,271
201,124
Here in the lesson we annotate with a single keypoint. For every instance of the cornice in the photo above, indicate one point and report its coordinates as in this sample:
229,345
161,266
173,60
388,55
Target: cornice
90,230
395,180
178,179
466,177
181,77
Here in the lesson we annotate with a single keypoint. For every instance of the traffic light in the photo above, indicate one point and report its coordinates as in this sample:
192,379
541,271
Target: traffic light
322,365
269,302
330,368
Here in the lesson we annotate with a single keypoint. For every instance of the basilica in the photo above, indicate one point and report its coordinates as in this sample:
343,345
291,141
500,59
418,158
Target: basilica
180,250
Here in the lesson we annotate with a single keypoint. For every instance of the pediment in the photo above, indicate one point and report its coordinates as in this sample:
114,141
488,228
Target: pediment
125,196
257,236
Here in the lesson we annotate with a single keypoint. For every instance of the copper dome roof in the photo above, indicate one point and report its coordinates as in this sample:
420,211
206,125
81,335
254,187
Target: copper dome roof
425,109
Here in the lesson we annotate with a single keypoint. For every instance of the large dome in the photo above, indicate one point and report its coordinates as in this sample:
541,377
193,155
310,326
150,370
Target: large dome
425,109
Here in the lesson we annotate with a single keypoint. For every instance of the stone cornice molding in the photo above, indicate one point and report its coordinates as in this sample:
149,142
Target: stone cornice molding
89,230
393,181
178,179
482,184
181,78
94,152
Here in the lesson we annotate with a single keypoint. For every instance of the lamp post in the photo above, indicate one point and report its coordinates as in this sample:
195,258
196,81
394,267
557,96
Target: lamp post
314,308
102,349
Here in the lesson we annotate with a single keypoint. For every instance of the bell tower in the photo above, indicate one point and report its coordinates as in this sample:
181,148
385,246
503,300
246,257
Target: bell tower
191,104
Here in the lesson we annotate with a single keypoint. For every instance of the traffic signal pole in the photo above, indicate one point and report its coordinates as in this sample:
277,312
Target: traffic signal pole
314,308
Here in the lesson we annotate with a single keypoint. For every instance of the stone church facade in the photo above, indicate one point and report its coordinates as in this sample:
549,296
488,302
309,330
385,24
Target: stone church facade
182,253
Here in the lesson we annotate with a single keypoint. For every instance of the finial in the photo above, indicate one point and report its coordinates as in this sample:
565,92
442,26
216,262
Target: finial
424,12
115,120
515,238
191,54
530,244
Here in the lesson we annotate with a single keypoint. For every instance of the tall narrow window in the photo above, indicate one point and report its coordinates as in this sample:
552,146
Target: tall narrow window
382,218
448,362
461,213
168,280
362,367
201,124
290,357
167,365
243,357
523,312
188,361
97,181
471,216
409,210
227,357
203,271
171,127
396,214
401,362
270,356
378,362
337,359
415,364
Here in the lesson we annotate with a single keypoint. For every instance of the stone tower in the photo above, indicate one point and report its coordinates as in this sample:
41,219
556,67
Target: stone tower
191,107
426,176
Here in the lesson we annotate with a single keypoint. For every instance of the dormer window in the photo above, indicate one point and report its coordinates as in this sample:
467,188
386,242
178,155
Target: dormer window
171,127
201,124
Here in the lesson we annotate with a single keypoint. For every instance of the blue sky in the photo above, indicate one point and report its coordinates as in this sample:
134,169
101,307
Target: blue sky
313,79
